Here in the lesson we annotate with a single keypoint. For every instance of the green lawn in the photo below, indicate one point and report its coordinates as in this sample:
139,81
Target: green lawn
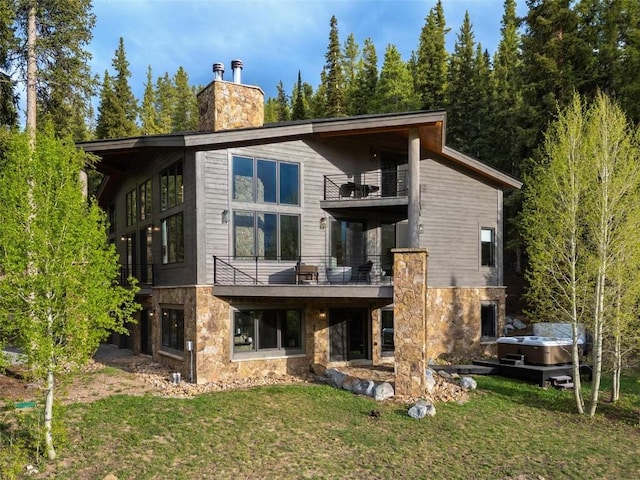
508,429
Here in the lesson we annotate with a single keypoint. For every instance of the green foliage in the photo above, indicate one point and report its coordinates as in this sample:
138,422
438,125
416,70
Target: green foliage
282,104
366,81
299,111
58,270
333,79
148,123
185,111
394,89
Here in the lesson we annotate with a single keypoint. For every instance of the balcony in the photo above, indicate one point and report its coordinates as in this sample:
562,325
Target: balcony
376,184
309,276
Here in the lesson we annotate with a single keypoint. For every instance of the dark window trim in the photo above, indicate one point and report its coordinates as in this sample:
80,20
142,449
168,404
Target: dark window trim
258,353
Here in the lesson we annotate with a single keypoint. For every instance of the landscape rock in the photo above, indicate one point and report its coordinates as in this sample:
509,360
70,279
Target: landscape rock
349,382
430,382
335,377
383,391
468,383
444,374
364,387
421,409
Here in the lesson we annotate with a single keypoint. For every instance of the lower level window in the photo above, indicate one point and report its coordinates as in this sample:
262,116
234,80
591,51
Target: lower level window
267,330
173,328
386,323
488,320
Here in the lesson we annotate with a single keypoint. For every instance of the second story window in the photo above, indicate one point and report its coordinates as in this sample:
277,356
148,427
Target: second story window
265,181
487,247
112,218
171,186
146,200
172,239
131,208
266,235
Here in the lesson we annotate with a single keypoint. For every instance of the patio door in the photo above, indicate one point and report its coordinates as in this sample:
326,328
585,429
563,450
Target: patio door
349,334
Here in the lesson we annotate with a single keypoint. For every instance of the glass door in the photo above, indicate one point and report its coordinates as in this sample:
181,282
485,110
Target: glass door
349,334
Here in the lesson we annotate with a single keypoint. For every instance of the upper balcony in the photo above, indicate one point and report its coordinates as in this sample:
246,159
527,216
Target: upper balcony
311,276
377,188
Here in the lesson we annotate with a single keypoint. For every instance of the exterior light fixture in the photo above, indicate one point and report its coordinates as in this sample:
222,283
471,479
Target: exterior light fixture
225,216
323,223
322,315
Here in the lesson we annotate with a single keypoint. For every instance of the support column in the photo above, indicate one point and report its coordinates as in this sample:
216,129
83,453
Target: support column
410,320
414,188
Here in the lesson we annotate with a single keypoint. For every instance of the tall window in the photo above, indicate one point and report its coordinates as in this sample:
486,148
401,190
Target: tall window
173,328
173,239
488,320
348,242
386,325
112,218
145,200
265,181
487,247
171,186
256,330
266,235
131,208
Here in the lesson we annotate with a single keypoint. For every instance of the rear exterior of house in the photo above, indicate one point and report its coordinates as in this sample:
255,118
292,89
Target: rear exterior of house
298,246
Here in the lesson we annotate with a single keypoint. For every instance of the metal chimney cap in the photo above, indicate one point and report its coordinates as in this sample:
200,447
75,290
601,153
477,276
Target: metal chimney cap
236,64
218,67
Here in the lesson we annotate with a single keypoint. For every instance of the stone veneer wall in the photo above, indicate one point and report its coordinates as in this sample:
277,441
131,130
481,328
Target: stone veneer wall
227,105
453,321
410,327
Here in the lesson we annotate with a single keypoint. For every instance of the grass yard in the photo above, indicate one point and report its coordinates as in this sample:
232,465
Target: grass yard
508,429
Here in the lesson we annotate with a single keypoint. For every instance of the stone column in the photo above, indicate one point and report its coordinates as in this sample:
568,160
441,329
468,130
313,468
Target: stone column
410,320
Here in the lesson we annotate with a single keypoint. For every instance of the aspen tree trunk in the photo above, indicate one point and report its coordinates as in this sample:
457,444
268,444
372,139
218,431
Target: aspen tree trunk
617,368
48,416
31,74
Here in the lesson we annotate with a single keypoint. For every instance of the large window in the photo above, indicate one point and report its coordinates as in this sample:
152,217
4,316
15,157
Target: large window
267,330
145,200
348,242
266,235
265,181
487,247
488,320
171,186
131,208
173,328
173,239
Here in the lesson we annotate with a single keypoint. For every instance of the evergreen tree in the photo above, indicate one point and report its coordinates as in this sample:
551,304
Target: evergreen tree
366,80
148,125
319,100
299,102
185,113
8,98
481,141
461,95
123,92
333,79
282,104
165,103
394,90
110,112
430,69
270,111
507,102
351,66
64,83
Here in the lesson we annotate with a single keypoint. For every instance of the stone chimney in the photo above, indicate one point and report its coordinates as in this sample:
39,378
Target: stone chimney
227,105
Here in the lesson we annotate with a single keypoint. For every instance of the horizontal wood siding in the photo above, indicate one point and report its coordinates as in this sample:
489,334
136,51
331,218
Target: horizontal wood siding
454,206
316,160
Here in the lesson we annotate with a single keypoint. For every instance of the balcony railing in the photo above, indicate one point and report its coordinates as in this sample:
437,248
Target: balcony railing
143,273
375,184
308,270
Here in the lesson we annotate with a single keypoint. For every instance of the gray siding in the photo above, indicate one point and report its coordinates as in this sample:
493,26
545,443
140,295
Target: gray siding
454,206
316,160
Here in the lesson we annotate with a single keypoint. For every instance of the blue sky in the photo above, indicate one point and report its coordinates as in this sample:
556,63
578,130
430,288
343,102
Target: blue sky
273,38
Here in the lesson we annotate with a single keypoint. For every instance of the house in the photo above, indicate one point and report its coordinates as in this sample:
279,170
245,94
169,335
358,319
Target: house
281,248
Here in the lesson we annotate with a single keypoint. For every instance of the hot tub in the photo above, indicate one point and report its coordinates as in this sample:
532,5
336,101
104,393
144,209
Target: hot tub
339,274
537,350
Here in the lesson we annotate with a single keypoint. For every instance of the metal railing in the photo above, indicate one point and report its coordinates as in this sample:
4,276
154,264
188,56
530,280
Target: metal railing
306,270
374,184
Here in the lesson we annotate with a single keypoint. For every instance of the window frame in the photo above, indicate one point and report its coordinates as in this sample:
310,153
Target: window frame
145,196
485,305
177,344
245,341
172,186
257,173
255,248
131,207
489,262
387,352
177,253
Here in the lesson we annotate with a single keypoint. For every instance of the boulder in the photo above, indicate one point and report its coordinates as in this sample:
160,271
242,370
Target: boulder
468,383
349,382
364,387
421,409
445,374
383,391
430,382
335,377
